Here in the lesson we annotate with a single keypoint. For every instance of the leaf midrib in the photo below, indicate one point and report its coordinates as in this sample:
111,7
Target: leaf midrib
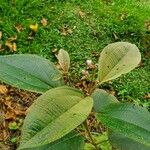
104,78
54,120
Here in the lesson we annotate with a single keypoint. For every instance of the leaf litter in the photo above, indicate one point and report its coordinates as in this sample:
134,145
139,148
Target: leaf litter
11,44
13,107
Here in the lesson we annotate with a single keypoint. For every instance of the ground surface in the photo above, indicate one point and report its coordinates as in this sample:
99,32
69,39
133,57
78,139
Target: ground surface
82,28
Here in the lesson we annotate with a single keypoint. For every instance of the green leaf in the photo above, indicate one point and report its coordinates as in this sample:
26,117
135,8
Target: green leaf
102,99
121,142
53,115
117,59
29,72
64,60
101,141
130,120
71,141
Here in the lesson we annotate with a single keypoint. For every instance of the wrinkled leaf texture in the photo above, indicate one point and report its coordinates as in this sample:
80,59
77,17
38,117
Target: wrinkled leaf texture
53,115
117,59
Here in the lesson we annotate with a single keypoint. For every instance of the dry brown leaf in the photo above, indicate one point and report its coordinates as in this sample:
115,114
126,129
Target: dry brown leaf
18,27
3,89
69,31
65,31
44,22
81,14
1,34
34,27
123,16
147,25
14,47
13,38
10,114
8,102
147,96
11,45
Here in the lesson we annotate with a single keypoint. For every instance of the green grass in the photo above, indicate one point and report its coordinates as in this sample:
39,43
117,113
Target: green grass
90,33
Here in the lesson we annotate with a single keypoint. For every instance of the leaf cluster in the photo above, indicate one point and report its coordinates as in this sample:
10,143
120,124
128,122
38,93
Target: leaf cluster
53,120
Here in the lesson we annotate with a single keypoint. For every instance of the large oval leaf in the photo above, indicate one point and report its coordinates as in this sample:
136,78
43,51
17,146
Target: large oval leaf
102,99
53,115
71,141
29,72
120,142
117,59
130,120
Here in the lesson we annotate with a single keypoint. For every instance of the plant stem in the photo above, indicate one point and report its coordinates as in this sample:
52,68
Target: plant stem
90,136
95,83
14,2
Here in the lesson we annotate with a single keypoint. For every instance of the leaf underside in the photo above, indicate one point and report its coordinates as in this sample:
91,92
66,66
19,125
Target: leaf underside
53,115
117,59
64,60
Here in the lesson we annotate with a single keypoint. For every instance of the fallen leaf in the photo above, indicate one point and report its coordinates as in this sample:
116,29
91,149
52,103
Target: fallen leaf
34,27
54,50
69,31
14,47
44,22
147,96
18,27
65,31
13,38
123,16
1,35
3,89
10,114
147,25
8,102
81,14
11,45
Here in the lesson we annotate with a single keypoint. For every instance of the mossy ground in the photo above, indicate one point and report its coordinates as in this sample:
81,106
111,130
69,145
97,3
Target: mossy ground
92,25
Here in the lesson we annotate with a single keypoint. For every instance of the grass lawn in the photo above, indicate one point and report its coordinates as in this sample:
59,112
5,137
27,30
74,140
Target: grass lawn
82,28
